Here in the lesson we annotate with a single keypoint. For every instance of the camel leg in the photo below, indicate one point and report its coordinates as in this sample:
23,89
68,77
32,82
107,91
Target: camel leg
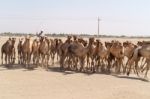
82,64
61,62
38,59
14,56
102,66
52,56
125,67
130,63
109,64
57,57
18,58
119,65
74,59
88,63
43,56
143,67
46,61
2,57
147,69
9,59
136,67
5,58
33,58
98,65
93,67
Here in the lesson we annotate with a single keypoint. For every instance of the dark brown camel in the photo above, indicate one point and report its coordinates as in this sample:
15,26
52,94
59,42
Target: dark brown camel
35,51
9,50
20,55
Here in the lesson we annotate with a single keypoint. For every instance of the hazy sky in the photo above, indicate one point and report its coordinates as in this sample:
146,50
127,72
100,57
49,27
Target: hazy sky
118,17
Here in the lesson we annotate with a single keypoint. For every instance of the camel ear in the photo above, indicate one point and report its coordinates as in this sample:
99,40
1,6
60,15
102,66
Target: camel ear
9,38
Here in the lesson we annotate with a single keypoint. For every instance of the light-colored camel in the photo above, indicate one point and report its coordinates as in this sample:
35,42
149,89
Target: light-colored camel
27,51
100,53
116,54
44,51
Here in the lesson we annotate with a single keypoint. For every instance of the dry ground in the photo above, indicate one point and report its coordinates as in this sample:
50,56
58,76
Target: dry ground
19,83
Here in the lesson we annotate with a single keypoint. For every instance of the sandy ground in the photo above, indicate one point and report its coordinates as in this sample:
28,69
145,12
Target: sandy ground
19,83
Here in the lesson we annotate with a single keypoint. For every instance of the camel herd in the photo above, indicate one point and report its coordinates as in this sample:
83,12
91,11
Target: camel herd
78,54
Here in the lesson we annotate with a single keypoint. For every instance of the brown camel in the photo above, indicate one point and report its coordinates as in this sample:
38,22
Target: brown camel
9,50
90,55
53,49
116,54
20,55
79,51
128,51
141,51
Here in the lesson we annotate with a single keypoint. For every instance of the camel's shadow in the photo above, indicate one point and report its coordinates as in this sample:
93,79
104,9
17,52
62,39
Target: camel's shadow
15,66
131,78
63,71
66,72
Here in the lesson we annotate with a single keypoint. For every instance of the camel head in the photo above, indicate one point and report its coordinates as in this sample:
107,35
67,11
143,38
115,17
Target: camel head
69,37
91,40
80,40
108,45
74,38
84,43
60,41
13,40
125,44
139,43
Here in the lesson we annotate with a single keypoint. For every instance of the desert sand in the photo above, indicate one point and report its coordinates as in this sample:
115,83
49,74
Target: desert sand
19,83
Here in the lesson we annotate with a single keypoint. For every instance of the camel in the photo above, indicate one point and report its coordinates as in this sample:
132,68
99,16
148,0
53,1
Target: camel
44,51
100,53
27,51
13,55
90,55
20,55
63,52
116,53
60,42
141,51
78,50
35,51
53,49
128,51
9,50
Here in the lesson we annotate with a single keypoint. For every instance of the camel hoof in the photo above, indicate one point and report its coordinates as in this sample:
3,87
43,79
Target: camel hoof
128,73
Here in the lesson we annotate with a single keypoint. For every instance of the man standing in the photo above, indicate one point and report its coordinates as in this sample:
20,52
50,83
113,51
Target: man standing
41,34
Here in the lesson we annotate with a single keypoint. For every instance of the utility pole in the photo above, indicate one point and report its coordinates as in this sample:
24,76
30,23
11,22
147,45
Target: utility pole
98,26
